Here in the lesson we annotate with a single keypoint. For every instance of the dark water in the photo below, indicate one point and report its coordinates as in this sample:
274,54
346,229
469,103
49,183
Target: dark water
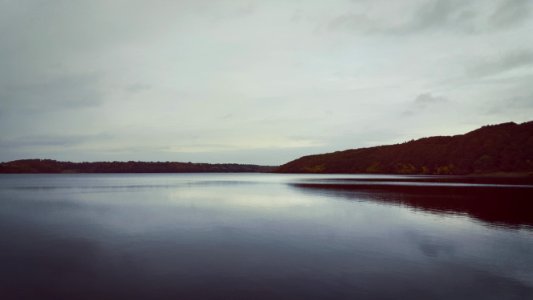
259,236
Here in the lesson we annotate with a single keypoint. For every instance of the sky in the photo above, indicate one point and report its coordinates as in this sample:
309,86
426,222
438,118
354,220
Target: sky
261,82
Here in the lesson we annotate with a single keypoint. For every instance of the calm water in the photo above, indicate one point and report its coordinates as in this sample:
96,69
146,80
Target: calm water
261,236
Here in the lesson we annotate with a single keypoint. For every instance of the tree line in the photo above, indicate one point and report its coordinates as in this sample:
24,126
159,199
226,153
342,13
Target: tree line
506,147
54,166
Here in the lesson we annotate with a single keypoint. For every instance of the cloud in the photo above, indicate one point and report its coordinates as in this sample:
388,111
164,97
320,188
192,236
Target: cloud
517,101
221,79
138,87
423,102
67,91
510,13
53,141
56,146
432,15
427,99
352,22
436,15
515,59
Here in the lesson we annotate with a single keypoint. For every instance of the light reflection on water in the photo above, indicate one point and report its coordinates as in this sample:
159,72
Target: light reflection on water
266,236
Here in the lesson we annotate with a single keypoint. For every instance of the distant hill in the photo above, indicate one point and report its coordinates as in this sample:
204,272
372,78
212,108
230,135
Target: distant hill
53,166
506,147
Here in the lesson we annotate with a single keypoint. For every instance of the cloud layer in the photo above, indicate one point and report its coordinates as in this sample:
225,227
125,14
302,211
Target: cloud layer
254,81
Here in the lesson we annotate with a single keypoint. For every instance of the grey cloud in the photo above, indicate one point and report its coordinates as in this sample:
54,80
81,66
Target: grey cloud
354,22
510,13
50,140
423,101
431,15
241,9
240,80
513,100
503,63
427,99
408,113
62,147
436,14
69,91
138,87
441,15
517,104
463,16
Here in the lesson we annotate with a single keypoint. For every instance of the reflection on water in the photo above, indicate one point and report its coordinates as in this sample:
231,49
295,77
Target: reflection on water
499,205
259,236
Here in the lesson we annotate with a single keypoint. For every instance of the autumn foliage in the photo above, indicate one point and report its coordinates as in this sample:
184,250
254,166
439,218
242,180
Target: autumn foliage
506,147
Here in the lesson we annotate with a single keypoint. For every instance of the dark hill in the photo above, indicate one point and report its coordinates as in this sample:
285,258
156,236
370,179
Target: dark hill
53,166
506,147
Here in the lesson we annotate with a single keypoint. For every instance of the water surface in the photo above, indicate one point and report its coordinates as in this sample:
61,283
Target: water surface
262,236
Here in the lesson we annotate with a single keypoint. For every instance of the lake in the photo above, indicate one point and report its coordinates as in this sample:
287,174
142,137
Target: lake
263,236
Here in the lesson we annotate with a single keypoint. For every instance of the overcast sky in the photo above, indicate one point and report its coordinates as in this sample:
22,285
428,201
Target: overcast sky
254,81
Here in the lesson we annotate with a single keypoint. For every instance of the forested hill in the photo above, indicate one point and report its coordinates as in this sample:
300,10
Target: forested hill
53,166
506,147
